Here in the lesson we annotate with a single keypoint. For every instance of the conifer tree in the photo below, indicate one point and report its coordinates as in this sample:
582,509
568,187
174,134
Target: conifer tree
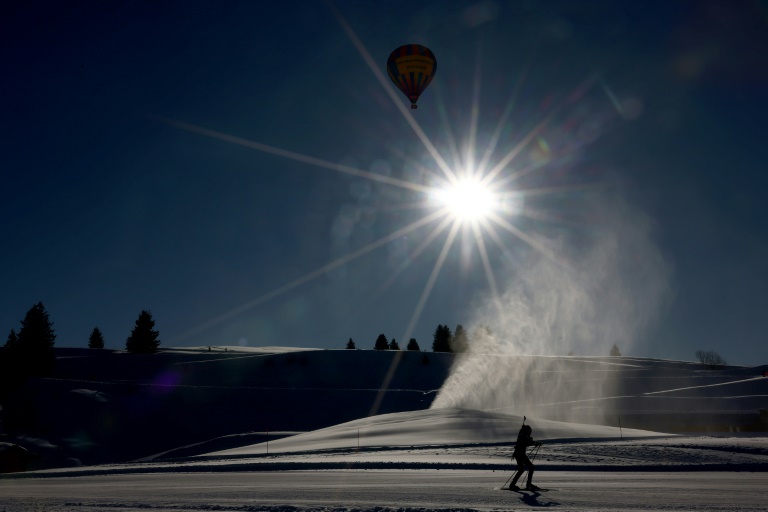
10,371
34,344
96,340
393,345
12,341
615,351
143,338
459,341
413,345
442,339
381,343
350,344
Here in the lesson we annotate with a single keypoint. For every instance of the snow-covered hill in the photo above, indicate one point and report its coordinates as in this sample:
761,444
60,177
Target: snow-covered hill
443,459
109,406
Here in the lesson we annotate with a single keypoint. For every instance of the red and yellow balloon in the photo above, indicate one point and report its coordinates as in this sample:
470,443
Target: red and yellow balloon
411,67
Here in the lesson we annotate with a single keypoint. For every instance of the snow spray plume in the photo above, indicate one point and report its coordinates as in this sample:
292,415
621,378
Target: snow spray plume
607,289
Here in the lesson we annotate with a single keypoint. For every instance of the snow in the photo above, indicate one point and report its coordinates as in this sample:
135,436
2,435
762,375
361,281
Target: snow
432,427
237,349
444,459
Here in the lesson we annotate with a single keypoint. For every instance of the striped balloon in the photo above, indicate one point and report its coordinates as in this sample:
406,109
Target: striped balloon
411,68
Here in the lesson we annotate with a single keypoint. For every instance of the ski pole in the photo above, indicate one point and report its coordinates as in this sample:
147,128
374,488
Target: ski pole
535,453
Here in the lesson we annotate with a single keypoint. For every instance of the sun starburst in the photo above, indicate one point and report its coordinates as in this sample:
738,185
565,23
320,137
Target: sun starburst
473,200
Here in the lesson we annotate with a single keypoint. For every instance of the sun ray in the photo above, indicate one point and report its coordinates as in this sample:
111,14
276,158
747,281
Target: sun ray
386,382
512,154
486,261
398,152
518,174
469,158
557,158
416,314
491,230
426,242
574,96
508,109
292,155
544,216
393,95
533,192
451,140
314,274
504,223
432,278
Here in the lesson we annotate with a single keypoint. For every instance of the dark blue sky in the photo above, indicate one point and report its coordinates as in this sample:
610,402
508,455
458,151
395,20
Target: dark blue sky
107,209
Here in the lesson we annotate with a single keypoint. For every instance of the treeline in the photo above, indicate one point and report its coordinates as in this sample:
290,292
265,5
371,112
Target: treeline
443,340
29,353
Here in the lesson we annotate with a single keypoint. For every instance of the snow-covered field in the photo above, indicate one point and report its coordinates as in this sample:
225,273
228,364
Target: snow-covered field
446,459
387,490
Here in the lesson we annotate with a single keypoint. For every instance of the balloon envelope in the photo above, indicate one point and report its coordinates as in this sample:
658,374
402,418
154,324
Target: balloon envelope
411,67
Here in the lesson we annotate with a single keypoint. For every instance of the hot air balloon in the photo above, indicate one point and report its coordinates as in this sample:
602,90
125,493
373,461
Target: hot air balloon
411,68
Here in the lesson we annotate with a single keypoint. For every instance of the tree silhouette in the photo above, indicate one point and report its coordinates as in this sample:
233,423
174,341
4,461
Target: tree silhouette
459,341
12,341
350,344
615,351
34,344
96,340
393,345
442,339
9,363
381,343
413,345
711,359
143,339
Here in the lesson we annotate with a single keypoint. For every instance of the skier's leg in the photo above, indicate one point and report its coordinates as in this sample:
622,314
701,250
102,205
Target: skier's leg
520,469
531,469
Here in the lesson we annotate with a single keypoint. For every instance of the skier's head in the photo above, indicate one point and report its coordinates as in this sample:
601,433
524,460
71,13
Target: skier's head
526,429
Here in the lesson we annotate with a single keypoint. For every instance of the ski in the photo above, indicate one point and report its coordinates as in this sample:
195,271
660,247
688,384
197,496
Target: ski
520,489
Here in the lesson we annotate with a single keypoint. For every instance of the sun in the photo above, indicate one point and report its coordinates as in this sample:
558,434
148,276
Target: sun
467,199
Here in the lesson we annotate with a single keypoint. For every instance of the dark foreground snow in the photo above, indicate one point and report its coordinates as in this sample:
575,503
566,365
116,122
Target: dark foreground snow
390,490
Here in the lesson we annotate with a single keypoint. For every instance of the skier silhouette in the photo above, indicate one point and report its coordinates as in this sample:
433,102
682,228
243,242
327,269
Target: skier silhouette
524,440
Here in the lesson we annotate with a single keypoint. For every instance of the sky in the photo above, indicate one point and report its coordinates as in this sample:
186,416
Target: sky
247,172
